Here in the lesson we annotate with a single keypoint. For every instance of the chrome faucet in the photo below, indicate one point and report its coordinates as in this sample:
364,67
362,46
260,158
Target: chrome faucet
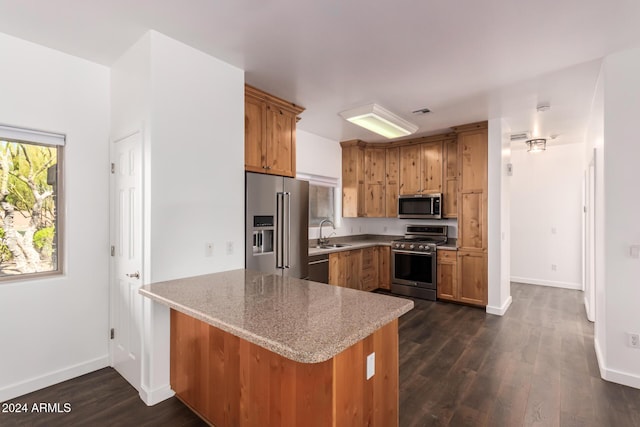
324,240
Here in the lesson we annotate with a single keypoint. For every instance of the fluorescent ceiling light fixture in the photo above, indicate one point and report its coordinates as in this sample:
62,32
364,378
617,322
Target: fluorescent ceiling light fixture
379,120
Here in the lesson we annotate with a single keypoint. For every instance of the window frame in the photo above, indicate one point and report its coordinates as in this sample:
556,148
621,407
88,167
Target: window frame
52,140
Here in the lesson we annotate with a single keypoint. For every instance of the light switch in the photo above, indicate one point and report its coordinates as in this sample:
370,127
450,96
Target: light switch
634,251
371,365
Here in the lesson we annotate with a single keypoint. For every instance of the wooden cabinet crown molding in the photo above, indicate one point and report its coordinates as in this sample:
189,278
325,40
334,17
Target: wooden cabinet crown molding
274,100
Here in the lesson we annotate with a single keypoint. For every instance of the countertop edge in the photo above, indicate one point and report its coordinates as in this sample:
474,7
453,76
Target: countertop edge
279,348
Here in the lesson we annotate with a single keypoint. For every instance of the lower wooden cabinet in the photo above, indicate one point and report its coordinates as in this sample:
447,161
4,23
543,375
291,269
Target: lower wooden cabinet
363,269
462,277
472,277
345,269
447,279
384,261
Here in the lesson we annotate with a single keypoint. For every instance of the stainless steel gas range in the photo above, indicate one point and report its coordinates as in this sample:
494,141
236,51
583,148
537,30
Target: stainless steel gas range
414,261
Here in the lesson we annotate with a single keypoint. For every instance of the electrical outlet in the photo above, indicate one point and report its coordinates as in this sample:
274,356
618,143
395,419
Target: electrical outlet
208,249
229,248
371,365
554,267
634,340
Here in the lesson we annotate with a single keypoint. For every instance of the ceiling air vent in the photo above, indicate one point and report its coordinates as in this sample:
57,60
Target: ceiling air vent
520,136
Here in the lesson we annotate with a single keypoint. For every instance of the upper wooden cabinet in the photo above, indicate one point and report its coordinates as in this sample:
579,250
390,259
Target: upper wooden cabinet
269,133
353,194
421,168
365,177
450,179
392,181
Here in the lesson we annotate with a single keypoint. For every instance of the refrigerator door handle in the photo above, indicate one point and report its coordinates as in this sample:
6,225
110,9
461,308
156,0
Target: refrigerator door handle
279,230
288,238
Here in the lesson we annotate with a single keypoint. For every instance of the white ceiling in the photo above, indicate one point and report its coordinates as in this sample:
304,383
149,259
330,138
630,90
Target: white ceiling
466,60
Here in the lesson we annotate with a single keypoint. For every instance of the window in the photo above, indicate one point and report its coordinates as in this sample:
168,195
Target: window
321,204
30,171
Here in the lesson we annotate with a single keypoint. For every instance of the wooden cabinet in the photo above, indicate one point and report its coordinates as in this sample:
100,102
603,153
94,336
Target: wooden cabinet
450,179
421,168
447,279
384,262
374,182
472,277
353,194
345,269
472,213
363,269
369,275
392,181
472,188
462,276
364,181
269,133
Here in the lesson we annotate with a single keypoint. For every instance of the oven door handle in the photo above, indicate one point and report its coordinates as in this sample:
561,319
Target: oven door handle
413,253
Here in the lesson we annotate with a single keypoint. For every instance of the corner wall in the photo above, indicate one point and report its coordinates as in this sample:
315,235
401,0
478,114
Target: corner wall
621,286
55,329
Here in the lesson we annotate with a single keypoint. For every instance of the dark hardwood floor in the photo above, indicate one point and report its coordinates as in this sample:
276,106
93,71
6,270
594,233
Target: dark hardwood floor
535,366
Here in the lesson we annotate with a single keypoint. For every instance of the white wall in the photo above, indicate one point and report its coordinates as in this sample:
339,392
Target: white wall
546,215
498,230
190,107
197,155
55,329
622,226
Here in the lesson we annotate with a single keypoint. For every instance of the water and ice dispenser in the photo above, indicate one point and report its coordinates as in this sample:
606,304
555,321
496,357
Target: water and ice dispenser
263,233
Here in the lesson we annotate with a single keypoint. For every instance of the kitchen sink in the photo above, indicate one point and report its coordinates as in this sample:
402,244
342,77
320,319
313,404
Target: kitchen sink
332,246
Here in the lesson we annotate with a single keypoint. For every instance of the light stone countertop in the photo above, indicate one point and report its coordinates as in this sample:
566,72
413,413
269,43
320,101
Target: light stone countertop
352,245
451,245
304,321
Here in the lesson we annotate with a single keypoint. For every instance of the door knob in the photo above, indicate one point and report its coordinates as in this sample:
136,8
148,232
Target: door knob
135,275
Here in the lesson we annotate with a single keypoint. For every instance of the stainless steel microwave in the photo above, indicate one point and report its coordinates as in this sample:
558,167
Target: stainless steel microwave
420,206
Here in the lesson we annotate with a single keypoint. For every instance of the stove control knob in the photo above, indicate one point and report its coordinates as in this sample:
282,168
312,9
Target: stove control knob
412,246
402,246
421,247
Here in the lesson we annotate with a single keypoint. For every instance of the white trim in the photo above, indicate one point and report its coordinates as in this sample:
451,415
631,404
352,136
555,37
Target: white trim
612,375
553,284
586,309
500,311
19,389
31,135
325,181
157,395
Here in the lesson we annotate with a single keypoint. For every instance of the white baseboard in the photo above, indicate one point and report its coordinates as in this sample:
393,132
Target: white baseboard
612,375
500,311
32,384
157,395
586,309
564,285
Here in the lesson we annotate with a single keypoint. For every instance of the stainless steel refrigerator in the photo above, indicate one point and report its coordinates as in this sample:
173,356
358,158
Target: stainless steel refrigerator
276,225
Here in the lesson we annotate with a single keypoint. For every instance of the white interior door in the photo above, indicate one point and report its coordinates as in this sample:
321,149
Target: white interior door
126,303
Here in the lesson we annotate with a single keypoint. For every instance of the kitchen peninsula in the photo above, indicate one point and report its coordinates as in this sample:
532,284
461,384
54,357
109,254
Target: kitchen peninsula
249,348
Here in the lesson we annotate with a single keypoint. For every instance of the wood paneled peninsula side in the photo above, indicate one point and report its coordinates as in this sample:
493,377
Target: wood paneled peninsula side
249,348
